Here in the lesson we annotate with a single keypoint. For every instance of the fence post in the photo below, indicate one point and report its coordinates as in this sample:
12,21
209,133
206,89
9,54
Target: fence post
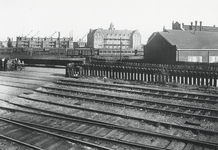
91,70
111,71
170,76
207,78
182,73
149,74
202,78
215,79
186,77
138,73
194,77
190,76
142,73
122,72
198,78
129,71
178,74
211,78
145,71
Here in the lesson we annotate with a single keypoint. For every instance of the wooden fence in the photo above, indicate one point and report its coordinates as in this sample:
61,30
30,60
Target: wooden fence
148,74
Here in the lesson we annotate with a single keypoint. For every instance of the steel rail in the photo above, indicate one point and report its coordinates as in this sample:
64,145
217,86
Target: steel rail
129,105
90,136
54,134
19,142
109,125
196,130
138,100
146,89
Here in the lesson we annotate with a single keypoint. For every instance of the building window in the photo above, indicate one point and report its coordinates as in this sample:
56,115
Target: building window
194,58
213,59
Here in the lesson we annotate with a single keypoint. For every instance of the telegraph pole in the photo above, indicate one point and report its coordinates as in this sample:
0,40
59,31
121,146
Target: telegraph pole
120,48
59,44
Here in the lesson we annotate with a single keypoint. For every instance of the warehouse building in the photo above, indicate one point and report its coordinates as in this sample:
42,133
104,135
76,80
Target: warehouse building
171,46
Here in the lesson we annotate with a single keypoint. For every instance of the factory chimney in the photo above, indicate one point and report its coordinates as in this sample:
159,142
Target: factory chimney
196,22
200,25
191,27
173,25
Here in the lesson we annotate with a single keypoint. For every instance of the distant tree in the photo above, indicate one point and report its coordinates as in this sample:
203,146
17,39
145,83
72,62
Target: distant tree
9,44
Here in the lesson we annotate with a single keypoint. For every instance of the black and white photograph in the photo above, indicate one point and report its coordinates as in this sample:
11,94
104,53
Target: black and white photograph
108,75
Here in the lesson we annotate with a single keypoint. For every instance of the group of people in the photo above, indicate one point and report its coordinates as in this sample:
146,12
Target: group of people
14,64
72,70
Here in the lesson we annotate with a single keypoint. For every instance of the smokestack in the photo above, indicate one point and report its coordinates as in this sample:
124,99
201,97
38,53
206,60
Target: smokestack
196,22
173,25
200,25
191,26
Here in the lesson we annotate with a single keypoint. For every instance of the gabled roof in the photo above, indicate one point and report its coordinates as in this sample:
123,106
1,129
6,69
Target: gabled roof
191,39
117,33
114,33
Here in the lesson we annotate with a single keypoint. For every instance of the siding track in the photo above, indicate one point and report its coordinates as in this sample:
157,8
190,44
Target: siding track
148,91
160,107
112,128
56,114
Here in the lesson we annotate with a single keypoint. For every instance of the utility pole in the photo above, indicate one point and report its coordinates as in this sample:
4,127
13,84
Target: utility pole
59,44
120,48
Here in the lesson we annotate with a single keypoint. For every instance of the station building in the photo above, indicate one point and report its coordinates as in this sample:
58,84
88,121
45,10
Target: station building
112,39
171,46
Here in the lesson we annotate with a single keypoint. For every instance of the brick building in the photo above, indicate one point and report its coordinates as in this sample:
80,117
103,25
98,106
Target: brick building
114,39
170,46
196,27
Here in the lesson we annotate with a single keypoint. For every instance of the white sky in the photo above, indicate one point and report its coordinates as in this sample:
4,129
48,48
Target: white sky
19,17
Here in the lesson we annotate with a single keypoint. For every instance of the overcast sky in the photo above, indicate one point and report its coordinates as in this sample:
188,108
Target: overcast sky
76,17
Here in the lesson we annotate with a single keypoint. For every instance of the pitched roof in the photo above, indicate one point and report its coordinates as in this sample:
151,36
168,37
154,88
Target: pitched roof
117,33
191,39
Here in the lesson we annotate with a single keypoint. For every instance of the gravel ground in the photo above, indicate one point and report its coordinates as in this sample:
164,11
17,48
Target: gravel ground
125,111
209,125
7,145
118,120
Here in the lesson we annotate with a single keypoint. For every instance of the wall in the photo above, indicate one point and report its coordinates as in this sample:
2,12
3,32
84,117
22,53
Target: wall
158,50
136,40
205,54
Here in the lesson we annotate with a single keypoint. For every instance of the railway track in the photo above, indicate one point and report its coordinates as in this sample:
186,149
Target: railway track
33,136
148,91
139,104
154,123
107,132
93,127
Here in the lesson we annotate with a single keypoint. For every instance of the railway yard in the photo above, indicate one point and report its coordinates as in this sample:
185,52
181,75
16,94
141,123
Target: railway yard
41,109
